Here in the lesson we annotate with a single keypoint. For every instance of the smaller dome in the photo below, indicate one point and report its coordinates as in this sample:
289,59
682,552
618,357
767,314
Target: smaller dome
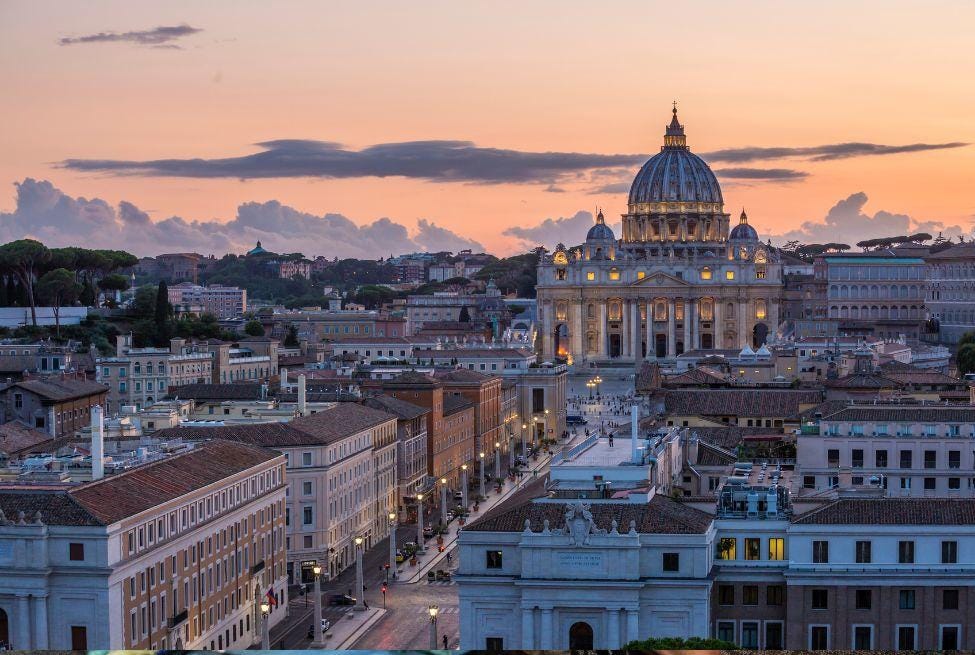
600,231
743,231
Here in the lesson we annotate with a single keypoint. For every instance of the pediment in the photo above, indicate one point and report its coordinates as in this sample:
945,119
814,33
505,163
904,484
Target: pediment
661,279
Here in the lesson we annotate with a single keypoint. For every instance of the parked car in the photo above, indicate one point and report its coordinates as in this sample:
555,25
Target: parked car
427,531
459,496
340,599
575,419
409,548
400,557
326,624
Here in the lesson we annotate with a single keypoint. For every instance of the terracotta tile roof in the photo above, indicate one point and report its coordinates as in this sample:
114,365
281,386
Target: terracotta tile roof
892,511
648,378
825,409
711,455
923,376
409,379
905,413
729,437
957,251
17,363
453,404
57,507
241,391
57,390
739,402
696,377
399,408
464,375
863,381
661,515
15,437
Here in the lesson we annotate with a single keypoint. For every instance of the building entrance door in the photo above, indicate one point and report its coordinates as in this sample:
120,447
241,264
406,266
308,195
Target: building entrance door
580,636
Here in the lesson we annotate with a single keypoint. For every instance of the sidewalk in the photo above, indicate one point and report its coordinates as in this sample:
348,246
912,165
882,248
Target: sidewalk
347,630
431,558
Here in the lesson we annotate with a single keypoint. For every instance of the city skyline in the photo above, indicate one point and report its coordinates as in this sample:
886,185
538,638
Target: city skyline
472,127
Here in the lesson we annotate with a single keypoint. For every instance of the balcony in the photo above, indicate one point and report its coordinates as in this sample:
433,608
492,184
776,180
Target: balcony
177,619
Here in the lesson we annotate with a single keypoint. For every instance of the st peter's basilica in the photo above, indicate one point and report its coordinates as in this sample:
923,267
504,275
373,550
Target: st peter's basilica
680,278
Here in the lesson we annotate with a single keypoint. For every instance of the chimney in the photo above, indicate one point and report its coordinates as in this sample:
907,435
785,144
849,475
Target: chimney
97,443
301,395
634,433
283,372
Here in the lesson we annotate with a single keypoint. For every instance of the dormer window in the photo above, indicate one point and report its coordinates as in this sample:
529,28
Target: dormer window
729,275
614,274
706,273
590,275
640,275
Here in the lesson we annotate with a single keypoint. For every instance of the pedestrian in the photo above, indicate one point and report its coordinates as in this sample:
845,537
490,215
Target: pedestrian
448,558
445,642
366,603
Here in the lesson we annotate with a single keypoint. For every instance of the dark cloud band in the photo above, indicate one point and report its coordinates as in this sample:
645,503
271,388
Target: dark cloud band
823,153
159,37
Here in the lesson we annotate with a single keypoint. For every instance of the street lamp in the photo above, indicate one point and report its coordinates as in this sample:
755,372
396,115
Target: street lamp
265,631
419,523
443,501
392,543
497,460
463,485
359,587
316,641
524,453
433,610
482,474
590,385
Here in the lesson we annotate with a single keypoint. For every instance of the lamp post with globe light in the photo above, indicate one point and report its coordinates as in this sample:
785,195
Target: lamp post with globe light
497,461
359,587
482,474
443,501
392,544
463,485
524,429
419,523
316,626
265,629
433,610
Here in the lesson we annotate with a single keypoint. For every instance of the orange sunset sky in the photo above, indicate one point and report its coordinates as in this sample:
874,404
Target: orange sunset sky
118,116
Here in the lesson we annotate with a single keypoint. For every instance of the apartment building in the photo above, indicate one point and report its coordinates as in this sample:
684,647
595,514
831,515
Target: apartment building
342,325
56,405
178,553
411,445
912,450
224,302
341,480
484,392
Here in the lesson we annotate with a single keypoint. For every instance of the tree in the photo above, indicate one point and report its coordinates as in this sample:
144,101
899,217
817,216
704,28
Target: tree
966,359
968,337
679,643
114,282
163,313
25,258
291,337
58,288
254,328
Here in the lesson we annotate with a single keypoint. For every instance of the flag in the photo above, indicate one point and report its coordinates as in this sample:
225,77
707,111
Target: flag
271,598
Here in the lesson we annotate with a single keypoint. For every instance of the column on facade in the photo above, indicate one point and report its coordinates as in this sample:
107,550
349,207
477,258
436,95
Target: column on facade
527,628
613,642
23,623
625,326
671,328
695,326
603,331
650,345
743,306
688,317
40,622
632,625
773,314
548,324
547,629
577,330
637,340
718,323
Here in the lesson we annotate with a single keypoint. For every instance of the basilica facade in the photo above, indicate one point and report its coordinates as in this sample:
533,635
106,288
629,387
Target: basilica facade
679,278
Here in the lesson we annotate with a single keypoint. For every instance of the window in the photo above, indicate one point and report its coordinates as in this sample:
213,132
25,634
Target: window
306,459
820,599
819,637
76,552
949,599
930,484
954,483
949,552
864,552
906,459
493,559
954,459
905,637
820,552
727,548
949,637
671,561
905,552
726,594
614,274
753,548
930,459
749,634
729,275
864,599
773,635
863,637
590,275
881,458
809,482
79,637
494,644
306,487
705,273
726,631
905,599
749,594
306,515
776,548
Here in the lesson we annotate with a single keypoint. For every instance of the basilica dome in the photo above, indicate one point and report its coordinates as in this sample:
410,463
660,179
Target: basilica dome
743,231
675,174
600,231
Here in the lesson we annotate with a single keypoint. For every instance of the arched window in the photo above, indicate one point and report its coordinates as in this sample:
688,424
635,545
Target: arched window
705,307
660,310
560,311
591,311
761,309
615,310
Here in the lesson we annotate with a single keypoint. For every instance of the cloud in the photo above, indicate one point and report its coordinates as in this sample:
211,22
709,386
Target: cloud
442,161
158,37
612,187
570,230
768,174
822,153
45,213
848,223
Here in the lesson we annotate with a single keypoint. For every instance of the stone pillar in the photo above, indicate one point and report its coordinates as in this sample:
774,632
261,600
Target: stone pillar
718,323
625,326
547,629
743,337
773,317
632,625
651,353
635,332
695,325
577,331
671,329
613,639
527,628
22,621
548,327
603,330
40,623
688,319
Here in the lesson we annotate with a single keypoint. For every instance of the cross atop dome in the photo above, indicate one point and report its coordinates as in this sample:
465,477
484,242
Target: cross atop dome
674,136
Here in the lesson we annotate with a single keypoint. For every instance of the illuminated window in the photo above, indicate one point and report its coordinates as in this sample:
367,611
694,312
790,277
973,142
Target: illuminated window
590,276
615,311
706,309
614,274
560,312
727,548
660,310
776,548
705,273
729,275
560,274
760,310
640,275
760,273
